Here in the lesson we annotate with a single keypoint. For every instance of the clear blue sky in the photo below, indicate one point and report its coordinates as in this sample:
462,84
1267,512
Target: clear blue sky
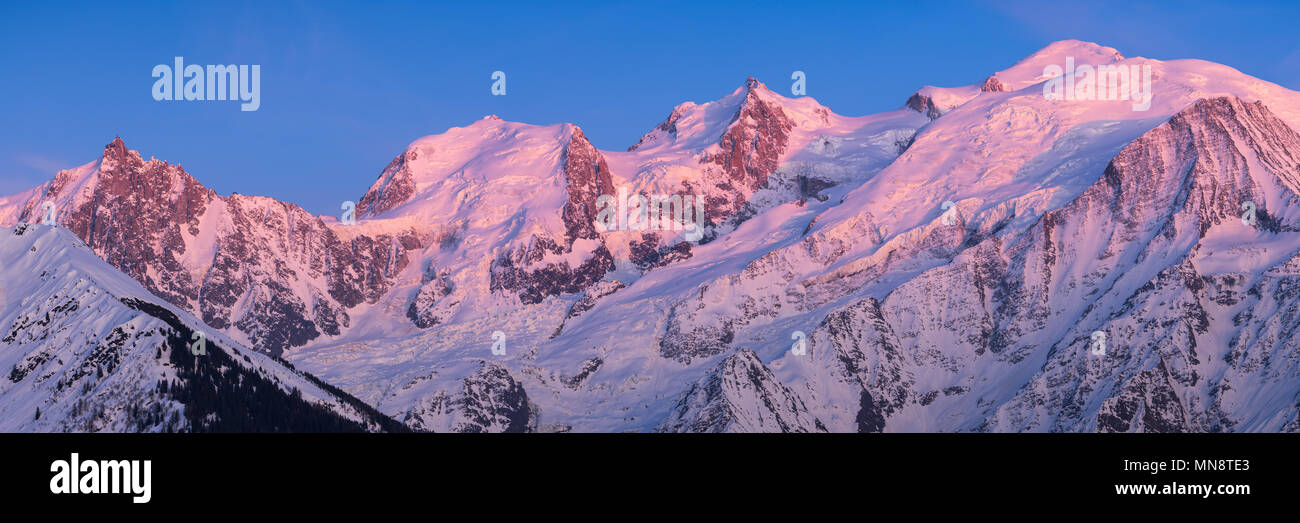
346,86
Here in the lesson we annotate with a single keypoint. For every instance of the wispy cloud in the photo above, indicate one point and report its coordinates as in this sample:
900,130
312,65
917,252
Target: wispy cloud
41,164
1288,70
28,170
1056,21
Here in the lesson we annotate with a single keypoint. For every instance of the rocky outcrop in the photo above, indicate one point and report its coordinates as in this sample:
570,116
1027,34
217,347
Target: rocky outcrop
489,400
429,308
587,177
923,104
1128,258
668,126
546,266
1147,402
396,185
740,395
747,153
267,270
992,85
525,271
90,350
1154,256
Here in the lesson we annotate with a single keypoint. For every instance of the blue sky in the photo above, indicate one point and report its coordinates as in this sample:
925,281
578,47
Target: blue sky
346,85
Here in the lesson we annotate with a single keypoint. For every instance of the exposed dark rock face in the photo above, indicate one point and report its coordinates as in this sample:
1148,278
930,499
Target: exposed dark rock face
750,150
740,395
489,400
668,126
493,400
589,298
594,294
523,271
923,104
587,177
648,253
589,367
684,343
870,418
868,355
145,217
1148,402
517,271
394,187
1125,257
992,84
428,308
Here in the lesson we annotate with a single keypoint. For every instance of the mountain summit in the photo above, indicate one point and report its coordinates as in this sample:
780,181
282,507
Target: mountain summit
986,258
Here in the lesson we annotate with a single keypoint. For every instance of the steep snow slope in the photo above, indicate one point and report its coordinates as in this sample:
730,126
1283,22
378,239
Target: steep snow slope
1003,159
439,234
935,101
87,350
511,207
788,159
1154,255
266,273
754,148
919,315
1006,158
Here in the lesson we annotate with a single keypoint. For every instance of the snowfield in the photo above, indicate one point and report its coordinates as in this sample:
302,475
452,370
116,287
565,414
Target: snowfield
1071,217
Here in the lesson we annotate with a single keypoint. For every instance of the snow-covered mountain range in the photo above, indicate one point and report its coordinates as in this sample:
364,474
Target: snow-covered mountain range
88,349
946,266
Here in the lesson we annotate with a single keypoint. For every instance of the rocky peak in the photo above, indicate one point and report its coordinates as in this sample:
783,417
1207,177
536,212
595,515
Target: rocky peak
992,84
737,140
1055,51
741,395
749,150
756,92
1201,161
396,185
668,126
116,154
115,148
587,177
296,277
118,177
923,104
